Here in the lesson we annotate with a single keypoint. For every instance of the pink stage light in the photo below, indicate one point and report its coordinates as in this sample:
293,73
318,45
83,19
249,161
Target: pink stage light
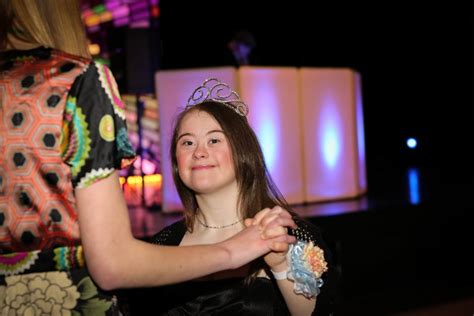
112,4
121,11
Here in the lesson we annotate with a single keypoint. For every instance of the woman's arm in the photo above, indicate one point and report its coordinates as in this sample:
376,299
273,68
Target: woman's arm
116,259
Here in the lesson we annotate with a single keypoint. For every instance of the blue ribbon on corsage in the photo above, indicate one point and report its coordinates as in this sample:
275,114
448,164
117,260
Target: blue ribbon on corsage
306,265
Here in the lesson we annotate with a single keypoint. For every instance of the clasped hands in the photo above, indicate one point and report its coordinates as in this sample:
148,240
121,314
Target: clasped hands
266,235
273,224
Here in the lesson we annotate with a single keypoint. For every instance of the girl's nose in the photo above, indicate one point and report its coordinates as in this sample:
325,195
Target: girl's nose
200,152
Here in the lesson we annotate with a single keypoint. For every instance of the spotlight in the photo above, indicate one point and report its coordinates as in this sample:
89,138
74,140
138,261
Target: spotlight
411,143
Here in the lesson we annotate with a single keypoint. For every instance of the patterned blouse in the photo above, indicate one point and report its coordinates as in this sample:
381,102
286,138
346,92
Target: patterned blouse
62,126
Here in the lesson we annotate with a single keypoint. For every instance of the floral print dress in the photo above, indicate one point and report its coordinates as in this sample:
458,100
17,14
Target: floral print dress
62,126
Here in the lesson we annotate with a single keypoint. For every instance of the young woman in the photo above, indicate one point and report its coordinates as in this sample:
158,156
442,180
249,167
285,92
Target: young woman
63,218
220,174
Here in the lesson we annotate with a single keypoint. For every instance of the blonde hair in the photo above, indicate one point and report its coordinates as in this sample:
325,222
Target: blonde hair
50,23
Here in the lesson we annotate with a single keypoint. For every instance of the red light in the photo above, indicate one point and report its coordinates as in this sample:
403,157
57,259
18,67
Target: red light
155,11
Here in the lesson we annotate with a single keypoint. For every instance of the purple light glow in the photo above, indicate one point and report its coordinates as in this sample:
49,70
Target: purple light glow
139,6
267,127
122,11
329,134
94,28
141,16
112,4
122,21
140,24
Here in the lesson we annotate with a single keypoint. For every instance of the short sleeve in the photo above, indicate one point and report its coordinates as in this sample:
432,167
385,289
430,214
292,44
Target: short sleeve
94,133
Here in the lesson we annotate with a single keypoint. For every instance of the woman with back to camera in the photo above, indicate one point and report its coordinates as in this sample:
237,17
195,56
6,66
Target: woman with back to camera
221,177
65,237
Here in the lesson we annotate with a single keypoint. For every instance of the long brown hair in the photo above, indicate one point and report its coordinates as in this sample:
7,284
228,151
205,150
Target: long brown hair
256,188
50,23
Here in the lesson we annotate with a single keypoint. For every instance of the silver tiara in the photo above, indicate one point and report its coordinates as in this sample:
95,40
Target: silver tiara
214,90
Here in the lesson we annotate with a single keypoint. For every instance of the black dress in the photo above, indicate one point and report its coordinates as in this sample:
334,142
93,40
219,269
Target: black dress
218,297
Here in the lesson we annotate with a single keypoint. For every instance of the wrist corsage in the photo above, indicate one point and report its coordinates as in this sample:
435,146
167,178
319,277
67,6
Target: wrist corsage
307,264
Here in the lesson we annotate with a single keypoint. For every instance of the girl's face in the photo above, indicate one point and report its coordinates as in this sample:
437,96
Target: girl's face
204,155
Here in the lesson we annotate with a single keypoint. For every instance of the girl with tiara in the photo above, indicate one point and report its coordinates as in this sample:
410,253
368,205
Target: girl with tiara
222,180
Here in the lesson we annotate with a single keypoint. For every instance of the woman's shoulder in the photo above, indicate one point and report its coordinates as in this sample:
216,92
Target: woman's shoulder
170,235
60,63
58,54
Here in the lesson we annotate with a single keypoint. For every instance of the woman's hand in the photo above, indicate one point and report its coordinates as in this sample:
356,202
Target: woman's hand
272,223
265,233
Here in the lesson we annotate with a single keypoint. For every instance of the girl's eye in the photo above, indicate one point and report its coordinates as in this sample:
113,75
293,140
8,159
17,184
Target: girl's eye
214,141
187,143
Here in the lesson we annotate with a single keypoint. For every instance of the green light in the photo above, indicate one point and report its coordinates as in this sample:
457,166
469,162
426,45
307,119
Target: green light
98,8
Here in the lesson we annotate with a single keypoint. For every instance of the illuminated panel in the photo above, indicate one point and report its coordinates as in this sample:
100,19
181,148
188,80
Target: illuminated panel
139,14
334,162
272,96
173,88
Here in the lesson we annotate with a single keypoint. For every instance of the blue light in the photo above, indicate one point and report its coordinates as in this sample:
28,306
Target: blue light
268,142
413,186
331,146
330,133
411,143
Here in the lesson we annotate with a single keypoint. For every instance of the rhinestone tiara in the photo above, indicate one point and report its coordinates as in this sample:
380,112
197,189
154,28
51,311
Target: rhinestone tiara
214,90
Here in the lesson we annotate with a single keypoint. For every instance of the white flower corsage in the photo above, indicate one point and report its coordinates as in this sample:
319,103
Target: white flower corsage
307,264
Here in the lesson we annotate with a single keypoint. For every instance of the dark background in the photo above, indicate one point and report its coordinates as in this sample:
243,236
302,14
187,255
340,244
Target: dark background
415,61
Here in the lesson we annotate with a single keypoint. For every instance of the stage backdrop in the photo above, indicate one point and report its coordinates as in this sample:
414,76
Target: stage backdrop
309,122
